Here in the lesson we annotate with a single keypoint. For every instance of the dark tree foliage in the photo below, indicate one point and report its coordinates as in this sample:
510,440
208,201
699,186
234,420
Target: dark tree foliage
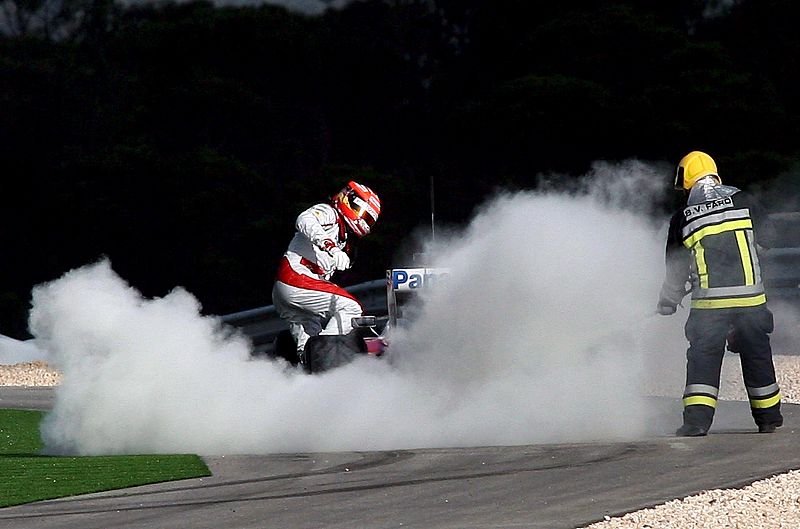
181,140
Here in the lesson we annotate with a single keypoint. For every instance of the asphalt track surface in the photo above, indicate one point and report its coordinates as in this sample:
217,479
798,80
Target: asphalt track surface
560,486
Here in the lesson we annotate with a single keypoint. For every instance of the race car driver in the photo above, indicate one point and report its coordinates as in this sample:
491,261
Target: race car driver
712,245
303,293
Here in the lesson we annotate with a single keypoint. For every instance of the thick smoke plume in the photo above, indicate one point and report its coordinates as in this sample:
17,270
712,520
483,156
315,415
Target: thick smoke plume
543,333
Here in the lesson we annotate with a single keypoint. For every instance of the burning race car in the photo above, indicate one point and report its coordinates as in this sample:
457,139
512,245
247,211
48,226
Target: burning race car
370,335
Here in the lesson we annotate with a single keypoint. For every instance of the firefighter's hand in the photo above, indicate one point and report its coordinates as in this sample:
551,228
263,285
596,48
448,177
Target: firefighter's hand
666,307
341,261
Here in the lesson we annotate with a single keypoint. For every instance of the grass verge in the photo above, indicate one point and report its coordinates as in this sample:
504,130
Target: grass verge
26,475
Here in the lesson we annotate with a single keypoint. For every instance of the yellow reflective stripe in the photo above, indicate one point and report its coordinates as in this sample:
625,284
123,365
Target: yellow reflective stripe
700,399
729,302
730,225
765,403
744,252
702,268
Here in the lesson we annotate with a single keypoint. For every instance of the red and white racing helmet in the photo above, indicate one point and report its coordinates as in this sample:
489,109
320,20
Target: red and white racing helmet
359,206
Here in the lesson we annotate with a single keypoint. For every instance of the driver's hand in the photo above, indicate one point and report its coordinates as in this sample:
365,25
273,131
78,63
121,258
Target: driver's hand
341,261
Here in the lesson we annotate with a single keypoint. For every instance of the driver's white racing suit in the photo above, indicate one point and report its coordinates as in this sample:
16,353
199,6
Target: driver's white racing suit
302,293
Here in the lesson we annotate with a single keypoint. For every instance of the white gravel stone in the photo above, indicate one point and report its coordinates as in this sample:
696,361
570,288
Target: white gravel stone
772,503
29,374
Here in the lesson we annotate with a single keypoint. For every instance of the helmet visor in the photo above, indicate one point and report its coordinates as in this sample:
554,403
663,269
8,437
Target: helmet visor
679,177
361,208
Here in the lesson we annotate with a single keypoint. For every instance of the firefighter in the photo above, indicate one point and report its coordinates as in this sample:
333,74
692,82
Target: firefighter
711,246
303,293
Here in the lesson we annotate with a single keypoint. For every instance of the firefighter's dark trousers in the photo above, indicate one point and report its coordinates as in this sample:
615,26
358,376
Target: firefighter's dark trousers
748,330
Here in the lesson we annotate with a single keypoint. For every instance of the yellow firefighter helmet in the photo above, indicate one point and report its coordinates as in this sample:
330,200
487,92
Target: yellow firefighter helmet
692,168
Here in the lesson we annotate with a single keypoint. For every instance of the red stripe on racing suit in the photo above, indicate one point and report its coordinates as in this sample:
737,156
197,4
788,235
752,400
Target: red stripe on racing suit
287,274
311,265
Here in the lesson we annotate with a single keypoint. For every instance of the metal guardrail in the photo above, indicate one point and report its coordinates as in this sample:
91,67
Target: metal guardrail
781,269
263,324
780,264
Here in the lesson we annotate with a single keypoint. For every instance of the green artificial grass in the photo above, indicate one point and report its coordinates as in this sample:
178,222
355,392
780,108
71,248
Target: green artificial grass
26,475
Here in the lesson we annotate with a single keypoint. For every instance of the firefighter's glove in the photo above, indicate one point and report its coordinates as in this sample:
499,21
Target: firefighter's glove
669,298
666,308
341,261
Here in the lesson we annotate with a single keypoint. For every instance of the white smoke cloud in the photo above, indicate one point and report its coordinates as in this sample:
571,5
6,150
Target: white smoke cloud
543,334
549,311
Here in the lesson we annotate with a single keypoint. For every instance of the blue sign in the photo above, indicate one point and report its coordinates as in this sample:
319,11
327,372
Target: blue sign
415,278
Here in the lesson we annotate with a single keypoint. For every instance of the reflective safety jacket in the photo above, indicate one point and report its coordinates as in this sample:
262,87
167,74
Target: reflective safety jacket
723,269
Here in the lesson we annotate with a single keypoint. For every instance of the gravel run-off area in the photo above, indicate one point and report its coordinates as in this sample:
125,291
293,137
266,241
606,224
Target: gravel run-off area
772,503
